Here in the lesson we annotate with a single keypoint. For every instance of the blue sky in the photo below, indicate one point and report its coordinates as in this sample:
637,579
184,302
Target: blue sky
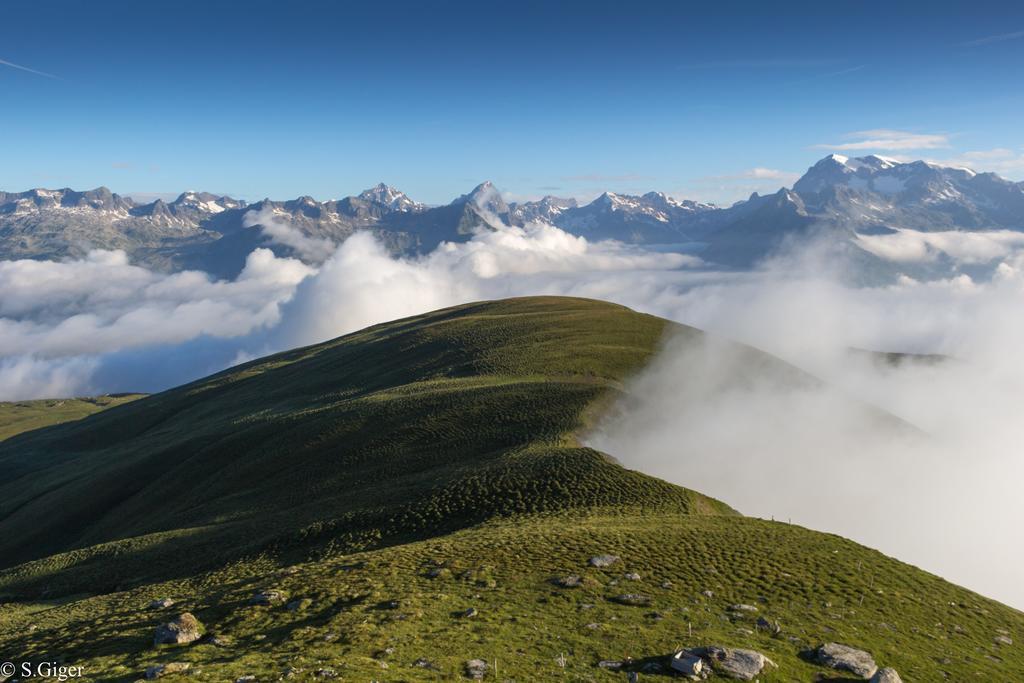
701,101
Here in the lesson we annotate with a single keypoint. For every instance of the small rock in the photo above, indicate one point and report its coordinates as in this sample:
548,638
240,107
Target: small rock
326,673
610,664
266,598
184,629
707,594
772,627
422,663
846,658
467,613
886,675
571,581
216,640
1003,640
740,607
162,603
666,584
298,605
632,599
161,670
687,664
476,669
601,561
245,679
632,576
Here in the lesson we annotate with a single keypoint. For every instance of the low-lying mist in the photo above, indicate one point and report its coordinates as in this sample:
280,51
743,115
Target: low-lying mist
919,458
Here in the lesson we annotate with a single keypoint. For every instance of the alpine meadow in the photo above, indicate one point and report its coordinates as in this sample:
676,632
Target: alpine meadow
686,345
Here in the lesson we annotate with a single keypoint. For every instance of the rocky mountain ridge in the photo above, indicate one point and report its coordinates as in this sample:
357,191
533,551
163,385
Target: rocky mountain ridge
838,196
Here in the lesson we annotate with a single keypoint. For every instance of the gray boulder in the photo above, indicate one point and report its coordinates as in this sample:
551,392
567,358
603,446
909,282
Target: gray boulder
845,658
183,629
632,599
267,598
476,669
601,561
886,675
162,603
571,581
741,665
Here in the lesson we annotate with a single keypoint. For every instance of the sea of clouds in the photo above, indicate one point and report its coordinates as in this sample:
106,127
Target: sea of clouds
942,493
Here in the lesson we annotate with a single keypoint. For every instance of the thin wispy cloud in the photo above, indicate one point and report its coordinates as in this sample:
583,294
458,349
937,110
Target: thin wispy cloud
770,63
759,173
4,62
887,139
603,178
836,74
988,40
724,189
1006,162
770,174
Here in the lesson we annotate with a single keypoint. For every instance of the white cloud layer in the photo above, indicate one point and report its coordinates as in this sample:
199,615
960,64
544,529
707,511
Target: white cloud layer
276,227
912,246
884,139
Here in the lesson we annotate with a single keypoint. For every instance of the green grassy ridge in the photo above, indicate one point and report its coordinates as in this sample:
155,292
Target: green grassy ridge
819,587
24,416
402,430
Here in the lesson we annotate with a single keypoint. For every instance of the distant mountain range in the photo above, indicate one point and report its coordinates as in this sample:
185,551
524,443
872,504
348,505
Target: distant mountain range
838,197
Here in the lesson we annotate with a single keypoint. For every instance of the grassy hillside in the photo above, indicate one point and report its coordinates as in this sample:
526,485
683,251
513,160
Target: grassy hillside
23,416
387,481
358,613
404,430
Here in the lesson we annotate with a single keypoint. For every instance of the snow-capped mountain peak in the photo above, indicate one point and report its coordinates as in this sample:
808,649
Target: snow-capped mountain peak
389,197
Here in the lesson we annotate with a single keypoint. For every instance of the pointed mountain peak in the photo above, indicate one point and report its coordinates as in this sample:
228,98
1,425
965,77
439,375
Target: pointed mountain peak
389,197
484,188
486,197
